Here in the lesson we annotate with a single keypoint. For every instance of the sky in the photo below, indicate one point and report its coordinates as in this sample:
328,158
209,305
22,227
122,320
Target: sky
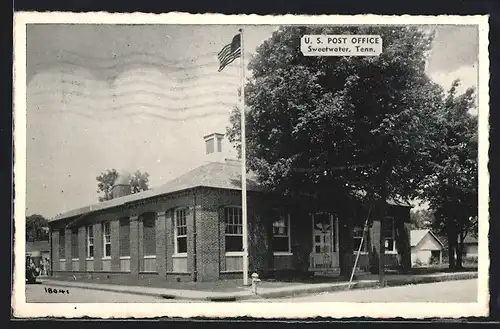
142,97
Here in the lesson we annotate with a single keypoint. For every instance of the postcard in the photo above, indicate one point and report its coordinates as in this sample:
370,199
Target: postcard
214,165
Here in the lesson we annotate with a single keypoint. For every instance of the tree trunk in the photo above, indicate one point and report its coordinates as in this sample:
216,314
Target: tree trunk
377,258
460,250
452,244
345,246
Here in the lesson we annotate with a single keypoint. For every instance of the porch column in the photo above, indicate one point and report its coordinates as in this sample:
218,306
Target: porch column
134,244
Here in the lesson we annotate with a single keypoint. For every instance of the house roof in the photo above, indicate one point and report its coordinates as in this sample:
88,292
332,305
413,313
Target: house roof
469,238
417,235
37,246
225,175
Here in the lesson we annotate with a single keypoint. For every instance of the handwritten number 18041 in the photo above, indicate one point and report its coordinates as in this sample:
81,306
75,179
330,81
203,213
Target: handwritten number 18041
56,291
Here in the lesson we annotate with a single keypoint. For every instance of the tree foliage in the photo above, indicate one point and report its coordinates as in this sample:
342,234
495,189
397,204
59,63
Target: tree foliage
321,127
451,186
421,219
37,228
138,182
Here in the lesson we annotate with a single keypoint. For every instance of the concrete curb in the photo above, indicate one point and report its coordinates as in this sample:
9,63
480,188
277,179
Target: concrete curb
272,293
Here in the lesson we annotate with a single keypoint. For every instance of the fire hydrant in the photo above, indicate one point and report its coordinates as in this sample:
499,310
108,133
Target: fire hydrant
255,280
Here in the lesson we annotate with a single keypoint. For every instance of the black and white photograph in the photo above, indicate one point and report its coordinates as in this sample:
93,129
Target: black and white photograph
168,160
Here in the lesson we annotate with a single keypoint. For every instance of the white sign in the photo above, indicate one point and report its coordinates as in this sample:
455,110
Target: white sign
341,45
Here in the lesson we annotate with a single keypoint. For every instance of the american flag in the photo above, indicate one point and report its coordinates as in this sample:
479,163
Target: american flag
230,52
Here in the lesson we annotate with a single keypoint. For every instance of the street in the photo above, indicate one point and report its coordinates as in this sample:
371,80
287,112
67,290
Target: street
459,291
450,291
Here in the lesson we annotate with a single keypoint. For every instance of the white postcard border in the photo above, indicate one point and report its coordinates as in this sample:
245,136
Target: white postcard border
263,310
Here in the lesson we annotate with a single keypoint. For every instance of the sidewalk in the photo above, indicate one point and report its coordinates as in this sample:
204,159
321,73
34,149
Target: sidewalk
265,289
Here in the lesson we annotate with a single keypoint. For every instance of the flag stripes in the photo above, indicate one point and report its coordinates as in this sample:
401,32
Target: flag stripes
229,52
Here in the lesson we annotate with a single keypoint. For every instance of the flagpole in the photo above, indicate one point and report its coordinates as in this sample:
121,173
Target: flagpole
243,167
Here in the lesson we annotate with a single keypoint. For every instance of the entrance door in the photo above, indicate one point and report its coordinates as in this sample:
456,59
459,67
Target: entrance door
325,242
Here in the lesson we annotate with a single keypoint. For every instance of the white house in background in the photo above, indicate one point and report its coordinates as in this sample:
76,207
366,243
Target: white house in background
425,246
471,246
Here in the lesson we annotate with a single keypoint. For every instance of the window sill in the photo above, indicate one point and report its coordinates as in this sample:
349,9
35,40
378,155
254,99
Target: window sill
282,253
361,252
180,255
89,258
73,259
106,258
391,252
62,259
235,253
149,257
124,257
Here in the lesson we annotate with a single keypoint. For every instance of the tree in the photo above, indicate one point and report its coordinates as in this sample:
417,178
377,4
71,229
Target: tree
326,128
37,228
451,185
138,182
421,219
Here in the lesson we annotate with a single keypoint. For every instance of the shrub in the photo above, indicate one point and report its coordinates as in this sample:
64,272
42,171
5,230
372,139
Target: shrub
471,260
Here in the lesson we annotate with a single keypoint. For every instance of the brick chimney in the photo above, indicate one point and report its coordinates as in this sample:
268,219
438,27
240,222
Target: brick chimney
214,147
122,185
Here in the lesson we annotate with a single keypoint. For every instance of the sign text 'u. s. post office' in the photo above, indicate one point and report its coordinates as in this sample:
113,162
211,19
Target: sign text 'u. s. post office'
341,45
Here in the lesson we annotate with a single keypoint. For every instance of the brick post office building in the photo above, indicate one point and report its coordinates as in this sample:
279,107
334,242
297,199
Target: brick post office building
190,229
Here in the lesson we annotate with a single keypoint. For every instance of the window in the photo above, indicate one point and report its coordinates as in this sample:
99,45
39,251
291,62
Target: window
357,237
234,229
149,234
281,234
90,241
388,233
124,238
62,244
180,231
106,239
209,144
74,244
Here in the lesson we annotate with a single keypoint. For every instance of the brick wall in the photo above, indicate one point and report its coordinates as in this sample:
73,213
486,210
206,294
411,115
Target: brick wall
190,241
161,243
115,245
169,240
98,252
82,248
134,244
55,250
67,249
208,246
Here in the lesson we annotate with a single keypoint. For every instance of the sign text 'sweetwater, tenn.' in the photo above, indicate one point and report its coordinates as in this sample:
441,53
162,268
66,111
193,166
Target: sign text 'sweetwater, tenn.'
341,45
